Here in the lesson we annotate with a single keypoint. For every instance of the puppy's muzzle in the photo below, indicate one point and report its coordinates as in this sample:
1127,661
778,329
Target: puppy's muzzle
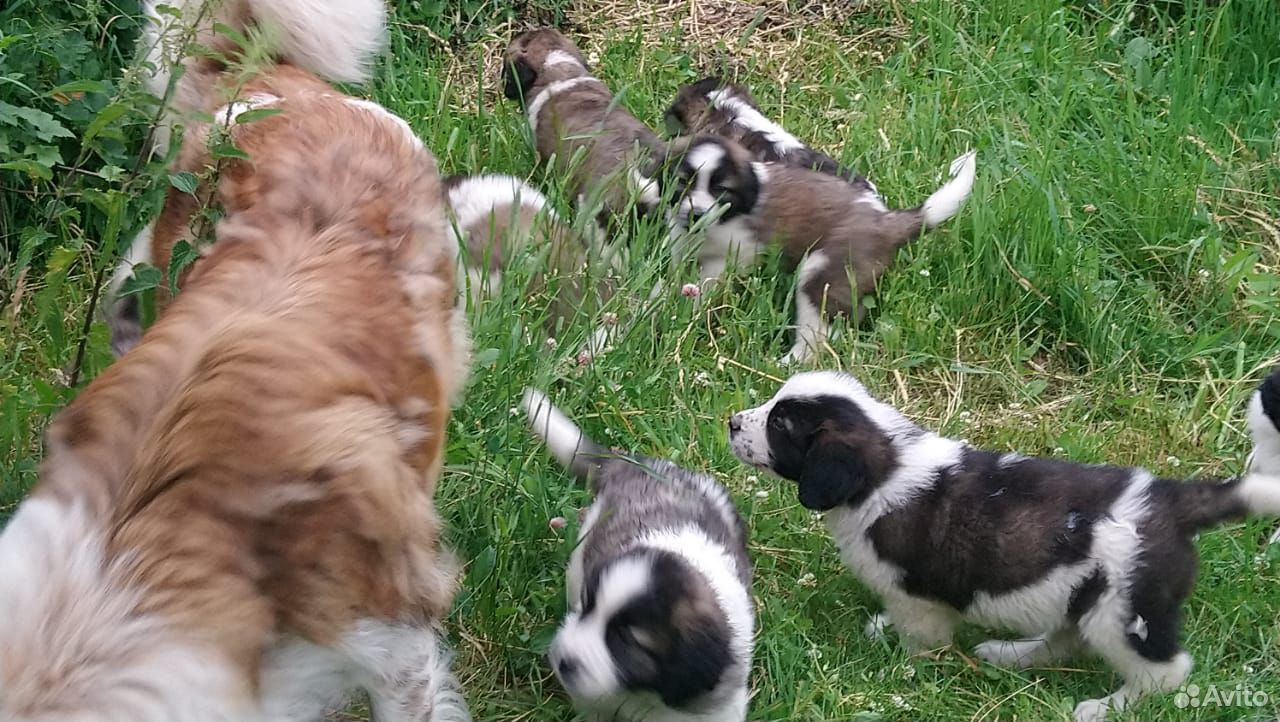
735,424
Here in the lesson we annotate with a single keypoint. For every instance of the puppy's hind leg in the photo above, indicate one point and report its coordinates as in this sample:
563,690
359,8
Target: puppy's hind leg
1032,652
405,668
1142,646
816,292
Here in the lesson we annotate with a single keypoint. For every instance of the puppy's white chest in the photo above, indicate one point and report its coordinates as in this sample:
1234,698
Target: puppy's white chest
728,241
848,527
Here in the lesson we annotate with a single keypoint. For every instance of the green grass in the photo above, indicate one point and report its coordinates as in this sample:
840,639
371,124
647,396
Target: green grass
1109,293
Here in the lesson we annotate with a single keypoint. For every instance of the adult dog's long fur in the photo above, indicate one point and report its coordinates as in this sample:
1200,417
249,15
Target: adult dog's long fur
332,39
236,520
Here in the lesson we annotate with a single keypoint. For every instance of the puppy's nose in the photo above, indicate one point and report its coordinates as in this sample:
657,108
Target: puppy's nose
566,667
735,423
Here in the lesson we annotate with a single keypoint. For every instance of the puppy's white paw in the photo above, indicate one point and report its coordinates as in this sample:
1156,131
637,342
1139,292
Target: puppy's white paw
875,629
798,354
1091,710
1019,654
996,651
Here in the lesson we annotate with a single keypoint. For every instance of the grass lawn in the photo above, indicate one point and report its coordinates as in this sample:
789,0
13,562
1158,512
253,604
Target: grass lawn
1109,293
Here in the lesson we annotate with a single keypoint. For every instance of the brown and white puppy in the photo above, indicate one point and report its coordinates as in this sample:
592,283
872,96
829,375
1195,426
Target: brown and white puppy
840,240
497,218
719,108
330,38
579,125
1076,556
235,520
660,618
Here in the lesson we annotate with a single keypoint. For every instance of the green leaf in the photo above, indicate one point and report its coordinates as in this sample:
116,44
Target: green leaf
482,567
45,126
229,32
59,261
228,150
185,181
249,116
183,255
31,168
77,86
486,357
145,277
108,115
1138,50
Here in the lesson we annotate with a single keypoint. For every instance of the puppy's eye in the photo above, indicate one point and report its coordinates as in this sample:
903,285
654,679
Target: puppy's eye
777,423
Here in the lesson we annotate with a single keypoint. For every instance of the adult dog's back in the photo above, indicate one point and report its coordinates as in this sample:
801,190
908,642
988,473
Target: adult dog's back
235,520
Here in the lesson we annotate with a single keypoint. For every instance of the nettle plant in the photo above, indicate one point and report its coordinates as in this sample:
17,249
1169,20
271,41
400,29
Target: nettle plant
79,178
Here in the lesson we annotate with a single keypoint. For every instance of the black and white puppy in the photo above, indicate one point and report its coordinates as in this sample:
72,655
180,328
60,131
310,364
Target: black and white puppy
840,238
719,108
579,126
1072,555
1264,425
660,618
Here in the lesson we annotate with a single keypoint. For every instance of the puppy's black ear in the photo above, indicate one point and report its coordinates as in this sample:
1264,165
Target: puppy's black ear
518,76
672,121
696,663
747,192
833,473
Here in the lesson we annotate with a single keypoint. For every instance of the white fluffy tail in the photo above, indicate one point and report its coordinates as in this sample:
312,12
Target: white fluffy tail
335,39
566,441
946,201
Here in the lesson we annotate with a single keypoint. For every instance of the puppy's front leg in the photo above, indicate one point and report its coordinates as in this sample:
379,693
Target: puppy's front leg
922,625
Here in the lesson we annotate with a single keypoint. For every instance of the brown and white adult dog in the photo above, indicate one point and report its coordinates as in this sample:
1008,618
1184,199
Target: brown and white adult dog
330,38
579,125
235,521
839,238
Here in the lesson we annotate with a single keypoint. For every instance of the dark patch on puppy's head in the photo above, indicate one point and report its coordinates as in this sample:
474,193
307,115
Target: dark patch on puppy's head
828,445
705,171
1269,395
524,62
674,639
688,111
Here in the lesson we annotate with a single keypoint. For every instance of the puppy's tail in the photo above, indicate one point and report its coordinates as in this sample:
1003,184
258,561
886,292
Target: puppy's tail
567,443
1257,492
946,201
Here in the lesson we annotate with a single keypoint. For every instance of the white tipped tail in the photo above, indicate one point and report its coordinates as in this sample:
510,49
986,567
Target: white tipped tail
335,39
946,201
566,441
